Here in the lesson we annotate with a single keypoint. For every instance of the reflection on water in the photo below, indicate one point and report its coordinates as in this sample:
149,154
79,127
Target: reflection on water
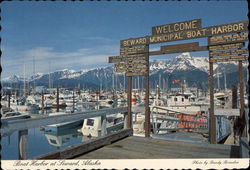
31,143
23,144
34,142
61,138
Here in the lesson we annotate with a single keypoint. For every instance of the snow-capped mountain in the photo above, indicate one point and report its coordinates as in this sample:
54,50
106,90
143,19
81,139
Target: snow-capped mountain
186,62
182,62
13,79
184,66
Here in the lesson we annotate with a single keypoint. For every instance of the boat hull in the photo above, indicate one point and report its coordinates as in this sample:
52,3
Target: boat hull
63,126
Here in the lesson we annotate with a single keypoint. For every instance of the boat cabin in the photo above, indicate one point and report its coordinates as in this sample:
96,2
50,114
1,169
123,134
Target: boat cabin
180,99
93,126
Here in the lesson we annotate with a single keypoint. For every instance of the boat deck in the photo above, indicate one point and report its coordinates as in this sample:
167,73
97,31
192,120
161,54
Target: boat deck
151,148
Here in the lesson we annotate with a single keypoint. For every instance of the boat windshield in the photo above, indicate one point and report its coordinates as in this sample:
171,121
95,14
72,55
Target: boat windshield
90,122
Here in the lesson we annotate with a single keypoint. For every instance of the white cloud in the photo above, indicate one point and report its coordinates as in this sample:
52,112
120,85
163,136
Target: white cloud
48,59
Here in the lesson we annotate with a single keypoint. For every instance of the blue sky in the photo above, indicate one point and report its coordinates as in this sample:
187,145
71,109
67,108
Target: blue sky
79,35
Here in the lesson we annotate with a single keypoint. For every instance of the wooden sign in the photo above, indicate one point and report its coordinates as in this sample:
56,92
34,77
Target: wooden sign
120,70
133,50
137,62
199,33
231,38
135,74
134,41
179,48
226,46
130,66
176,27
134,59
120,67
124,58
188,34
122,64
228,52
115,59
131,69
137,67
176,46
230,58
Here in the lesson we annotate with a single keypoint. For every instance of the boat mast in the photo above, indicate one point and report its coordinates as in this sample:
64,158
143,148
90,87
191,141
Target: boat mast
225,80
34,73
24,81
113,81
49,76
159,80
101,85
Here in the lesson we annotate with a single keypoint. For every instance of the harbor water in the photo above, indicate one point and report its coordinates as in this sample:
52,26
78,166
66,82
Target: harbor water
37,141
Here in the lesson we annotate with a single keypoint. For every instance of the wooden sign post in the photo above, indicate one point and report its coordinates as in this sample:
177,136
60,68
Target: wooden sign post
133,61
224,49
225,43
147,109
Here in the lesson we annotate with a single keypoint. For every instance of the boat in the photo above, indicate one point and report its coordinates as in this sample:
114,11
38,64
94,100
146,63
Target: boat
104,100
14,116
5,109
62,126
93,126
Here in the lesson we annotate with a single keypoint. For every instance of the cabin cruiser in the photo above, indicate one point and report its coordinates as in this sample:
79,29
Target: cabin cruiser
93,126
183,102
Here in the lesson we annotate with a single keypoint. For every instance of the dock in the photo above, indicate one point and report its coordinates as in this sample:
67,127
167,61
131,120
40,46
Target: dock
123,145
150,148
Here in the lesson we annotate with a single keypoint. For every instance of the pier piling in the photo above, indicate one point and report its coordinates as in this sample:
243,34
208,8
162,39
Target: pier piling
9,100
42,103
129,124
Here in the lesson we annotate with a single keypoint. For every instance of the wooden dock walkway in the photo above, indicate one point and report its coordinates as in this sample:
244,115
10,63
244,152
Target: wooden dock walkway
123,145
149,148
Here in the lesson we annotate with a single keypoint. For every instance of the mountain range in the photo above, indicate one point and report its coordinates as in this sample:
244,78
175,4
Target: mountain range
193,70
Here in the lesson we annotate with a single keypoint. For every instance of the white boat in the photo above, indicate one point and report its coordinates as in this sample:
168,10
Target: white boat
62,126
93,126
14,116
